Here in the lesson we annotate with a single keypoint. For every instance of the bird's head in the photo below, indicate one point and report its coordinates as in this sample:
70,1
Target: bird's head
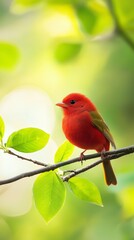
76,102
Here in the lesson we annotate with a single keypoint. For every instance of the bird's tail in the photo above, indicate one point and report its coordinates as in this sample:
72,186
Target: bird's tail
109,173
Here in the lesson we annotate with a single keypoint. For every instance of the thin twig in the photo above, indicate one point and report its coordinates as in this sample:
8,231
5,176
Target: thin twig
110,155
84,169
26,159
119,27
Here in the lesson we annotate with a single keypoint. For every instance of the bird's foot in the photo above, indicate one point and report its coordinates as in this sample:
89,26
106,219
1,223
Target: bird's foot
103,154
82,156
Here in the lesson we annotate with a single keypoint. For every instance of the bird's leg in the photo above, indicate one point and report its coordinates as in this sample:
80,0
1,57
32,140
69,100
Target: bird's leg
103,153
82,156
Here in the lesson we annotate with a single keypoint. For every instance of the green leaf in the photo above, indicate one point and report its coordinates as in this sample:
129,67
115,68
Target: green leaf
65,52
64,152
124,11
49,194
2,128
87,18
103,22
28,140
9,56
85,190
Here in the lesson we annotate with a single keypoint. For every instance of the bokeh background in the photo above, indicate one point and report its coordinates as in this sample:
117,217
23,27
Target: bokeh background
49,48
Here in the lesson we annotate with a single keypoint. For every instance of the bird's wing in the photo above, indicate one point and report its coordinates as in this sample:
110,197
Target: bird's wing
98,122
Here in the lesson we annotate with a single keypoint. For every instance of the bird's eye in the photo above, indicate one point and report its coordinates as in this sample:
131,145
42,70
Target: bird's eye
72,101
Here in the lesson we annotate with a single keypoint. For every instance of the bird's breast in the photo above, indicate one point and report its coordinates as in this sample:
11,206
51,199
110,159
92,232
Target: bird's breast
80,131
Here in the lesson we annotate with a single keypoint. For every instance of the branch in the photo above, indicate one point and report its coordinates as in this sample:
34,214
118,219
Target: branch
119,27
26,159
84,169
108,156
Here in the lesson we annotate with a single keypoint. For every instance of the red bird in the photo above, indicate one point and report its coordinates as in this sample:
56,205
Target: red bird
84,127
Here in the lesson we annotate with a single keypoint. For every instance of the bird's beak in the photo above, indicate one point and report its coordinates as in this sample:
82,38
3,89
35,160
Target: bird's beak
62,105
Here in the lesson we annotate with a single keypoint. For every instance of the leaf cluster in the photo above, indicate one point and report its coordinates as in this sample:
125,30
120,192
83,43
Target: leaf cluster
49,189
93,19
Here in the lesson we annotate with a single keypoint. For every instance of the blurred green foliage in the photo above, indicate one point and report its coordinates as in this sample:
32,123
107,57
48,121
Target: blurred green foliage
86,17
66,51
9,56
94,41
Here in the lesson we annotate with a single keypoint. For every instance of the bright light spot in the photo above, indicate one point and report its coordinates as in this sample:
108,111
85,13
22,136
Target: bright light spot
59,24
24,107
27,107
